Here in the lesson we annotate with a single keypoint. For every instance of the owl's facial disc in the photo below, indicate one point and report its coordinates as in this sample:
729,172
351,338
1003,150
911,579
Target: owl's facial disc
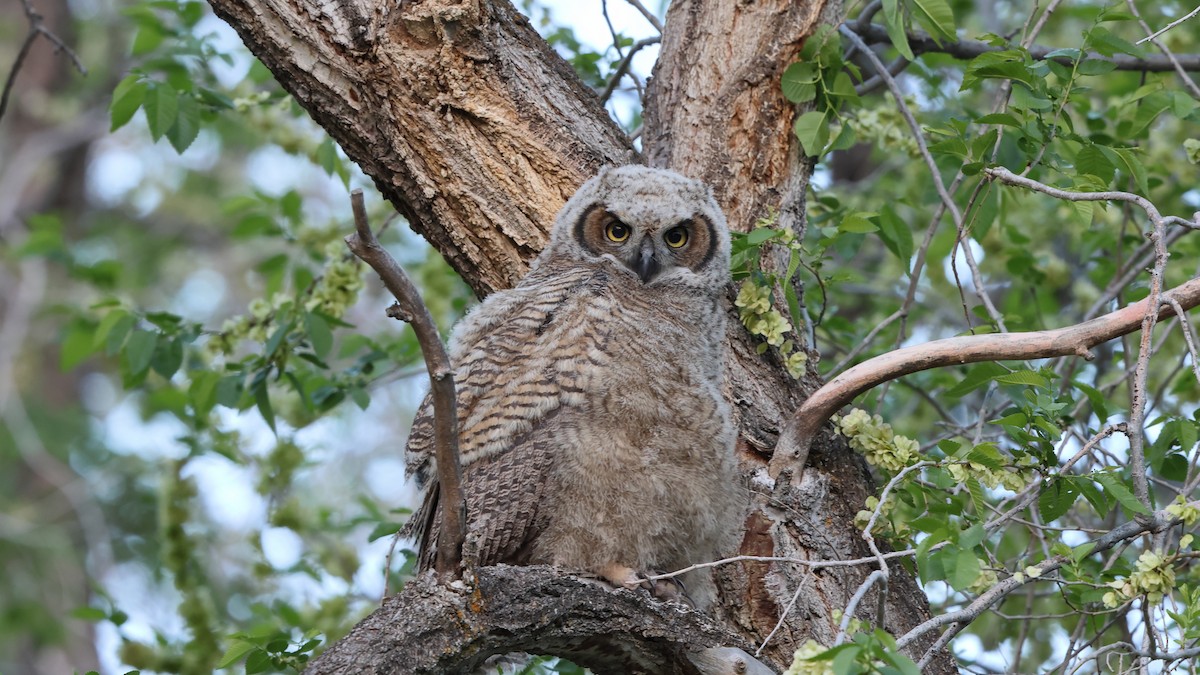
648,250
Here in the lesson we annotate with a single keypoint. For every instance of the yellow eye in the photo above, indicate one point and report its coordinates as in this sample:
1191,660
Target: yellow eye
676,237
617,231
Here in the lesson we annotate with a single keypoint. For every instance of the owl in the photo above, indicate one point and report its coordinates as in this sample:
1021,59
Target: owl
593,433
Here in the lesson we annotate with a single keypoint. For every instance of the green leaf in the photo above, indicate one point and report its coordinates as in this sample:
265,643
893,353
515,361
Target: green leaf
203,391
936,16
1057,498
858,222
362,399
236,651
187,124
799,82
276,338
893,21
89,614
963,571
77,346
139,350
228,391
1095,398
383,530
1092,160
1117,489
162,106
759,235
1029,378
263,400
126,100
113,333
813,131
319,334
1136,168
977,376
987,455
148,38
168,356
972,536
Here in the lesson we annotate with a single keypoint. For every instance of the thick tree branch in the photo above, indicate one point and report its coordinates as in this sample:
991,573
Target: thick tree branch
922,43
432,628
469,123
1076,340
410,308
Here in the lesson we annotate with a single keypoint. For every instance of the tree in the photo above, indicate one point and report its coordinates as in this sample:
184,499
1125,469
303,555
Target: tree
476,131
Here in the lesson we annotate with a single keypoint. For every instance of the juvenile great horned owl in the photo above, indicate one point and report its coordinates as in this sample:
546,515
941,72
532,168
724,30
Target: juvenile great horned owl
593,432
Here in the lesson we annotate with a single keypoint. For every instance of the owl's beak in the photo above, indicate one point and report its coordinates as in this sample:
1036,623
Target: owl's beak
646,265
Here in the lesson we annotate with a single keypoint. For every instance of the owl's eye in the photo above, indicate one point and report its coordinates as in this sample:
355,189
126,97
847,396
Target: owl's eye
676,237
616,231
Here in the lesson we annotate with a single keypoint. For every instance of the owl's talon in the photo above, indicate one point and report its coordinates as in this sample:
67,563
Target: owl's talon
625,577
673,589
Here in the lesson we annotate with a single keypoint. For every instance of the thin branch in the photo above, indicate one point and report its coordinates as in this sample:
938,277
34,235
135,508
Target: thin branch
938,184
1169,26
648,14
36,28
410,308
1076,340
1151,310
922,43
1158,521
1170,56
623,67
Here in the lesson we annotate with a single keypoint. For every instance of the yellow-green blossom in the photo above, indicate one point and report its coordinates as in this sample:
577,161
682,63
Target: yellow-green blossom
752,298
1181,509
1153,577
985,581
796,363
801,665
875,439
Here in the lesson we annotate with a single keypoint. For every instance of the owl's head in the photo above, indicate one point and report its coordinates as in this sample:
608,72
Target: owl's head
650,223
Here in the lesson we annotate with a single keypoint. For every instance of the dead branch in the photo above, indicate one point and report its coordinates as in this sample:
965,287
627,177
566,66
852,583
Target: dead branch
36,28
410,308
434,628
1077,340
922,43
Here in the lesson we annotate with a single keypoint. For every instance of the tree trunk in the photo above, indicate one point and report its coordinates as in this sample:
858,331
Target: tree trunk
478,132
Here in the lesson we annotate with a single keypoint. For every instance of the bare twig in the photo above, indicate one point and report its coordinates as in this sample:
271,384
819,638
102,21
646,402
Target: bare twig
922,43
36,28
412,309
919,137
1169,26
648,14
1128,530
623,67
794,442
1170,56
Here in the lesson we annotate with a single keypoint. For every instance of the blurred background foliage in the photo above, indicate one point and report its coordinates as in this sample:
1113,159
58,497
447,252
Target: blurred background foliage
203,406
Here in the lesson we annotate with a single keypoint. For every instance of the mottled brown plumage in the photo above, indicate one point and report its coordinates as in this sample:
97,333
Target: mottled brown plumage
593,432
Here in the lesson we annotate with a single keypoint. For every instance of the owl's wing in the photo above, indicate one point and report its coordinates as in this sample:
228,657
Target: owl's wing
518,360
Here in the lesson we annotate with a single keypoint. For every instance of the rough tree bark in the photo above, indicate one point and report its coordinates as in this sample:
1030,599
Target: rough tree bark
478,132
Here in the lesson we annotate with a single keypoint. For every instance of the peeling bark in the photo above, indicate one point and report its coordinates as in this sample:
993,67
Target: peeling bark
478,132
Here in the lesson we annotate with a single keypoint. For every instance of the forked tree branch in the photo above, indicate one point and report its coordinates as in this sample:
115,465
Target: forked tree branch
797,436
36,28
411,309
